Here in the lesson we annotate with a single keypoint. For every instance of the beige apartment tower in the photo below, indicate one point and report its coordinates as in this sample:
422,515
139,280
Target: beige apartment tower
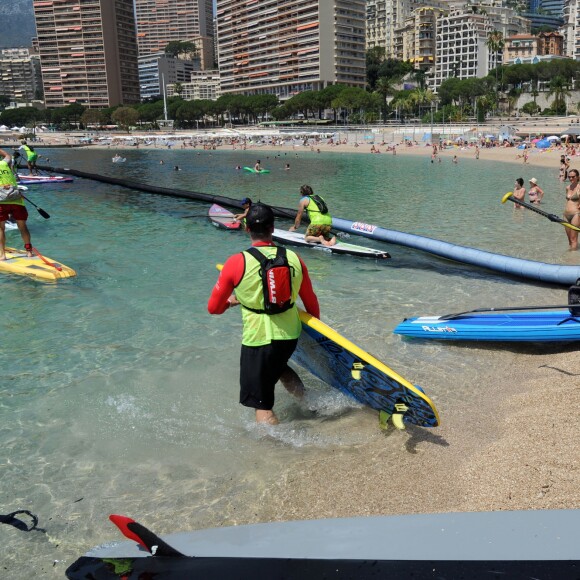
160,22
284,47
88,52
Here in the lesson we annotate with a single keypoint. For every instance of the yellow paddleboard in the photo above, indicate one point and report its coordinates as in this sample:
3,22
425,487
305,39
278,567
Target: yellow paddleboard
17,262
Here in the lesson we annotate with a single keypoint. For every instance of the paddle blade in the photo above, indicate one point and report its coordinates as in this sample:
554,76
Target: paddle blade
44,214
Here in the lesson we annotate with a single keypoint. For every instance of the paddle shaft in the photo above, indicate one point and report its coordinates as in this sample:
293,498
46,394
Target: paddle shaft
552,217
503,309
44,214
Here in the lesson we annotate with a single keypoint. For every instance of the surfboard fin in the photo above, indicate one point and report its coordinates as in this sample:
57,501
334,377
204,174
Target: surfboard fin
356,370
384,420
146,538
398,415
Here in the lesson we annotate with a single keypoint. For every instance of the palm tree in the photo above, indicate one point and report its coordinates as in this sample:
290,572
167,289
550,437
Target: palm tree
385,87
559,88
495,43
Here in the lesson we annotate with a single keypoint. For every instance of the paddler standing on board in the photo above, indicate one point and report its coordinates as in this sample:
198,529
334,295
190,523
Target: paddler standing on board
268,340
31,157
11,203
318,232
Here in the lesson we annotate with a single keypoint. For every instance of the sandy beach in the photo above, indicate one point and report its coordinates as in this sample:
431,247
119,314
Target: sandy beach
518,454
386,141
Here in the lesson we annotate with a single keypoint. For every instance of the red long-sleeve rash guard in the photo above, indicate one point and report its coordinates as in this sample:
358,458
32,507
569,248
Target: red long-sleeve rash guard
231,276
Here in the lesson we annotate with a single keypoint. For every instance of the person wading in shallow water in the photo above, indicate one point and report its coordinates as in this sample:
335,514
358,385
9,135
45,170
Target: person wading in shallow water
572,209
268,340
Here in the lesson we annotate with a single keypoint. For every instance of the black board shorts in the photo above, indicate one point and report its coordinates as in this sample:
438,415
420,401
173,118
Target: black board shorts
260,370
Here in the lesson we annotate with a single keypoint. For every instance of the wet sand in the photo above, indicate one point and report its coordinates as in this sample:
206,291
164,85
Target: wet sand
518,454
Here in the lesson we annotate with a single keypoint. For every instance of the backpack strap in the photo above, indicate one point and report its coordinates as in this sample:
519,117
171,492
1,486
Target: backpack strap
254,252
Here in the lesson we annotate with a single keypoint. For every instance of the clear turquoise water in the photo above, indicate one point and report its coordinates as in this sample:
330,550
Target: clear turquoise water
118,388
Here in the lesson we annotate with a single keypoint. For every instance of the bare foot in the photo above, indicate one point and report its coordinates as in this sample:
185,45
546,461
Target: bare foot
267,417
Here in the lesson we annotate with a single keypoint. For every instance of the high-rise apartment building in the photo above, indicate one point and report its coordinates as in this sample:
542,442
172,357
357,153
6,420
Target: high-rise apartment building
88,52
286,47
416,41
462,49
571,29
19,74
156,69
385,16
160,22
202,85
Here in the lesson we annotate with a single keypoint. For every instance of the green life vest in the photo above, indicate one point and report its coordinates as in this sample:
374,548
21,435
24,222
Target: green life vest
261,329
7,177
315,216
30,153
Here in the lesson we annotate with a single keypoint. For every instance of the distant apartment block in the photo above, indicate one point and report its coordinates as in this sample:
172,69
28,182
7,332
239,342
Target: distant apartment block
20,77
416,40
530,49
88,52
551,43
462,38
156,69
203,85
571,29
160,22
384,17
284,48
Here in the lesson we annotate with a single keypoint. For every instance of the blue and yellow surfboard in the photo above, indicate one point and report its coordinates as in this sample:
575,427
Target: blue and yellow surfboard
341,364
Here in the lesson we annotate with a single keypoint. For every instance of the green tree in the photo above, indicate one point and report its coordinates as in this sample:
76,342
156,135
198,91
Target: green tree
495,43
92,117
177,48
178,88
530,108
385,87
375,57
126,117
559,89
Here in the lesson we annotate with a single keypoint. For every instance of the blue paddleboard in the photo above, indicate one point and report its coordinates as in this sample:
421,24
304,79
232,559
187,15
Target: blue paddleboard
551,326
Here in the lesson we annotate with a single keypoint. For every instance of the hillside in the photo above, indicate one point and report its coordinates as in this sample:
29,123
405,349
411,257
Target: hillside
18,26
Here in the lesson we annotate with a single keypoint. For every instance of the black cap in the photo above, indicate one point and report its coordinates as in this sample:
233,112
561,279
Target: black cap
260,217
245,201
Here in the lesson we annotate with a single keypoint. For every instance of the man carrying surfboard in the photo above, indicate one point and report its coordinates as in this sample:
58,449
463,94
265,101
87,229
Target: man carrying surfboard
269,314
11,203
318,232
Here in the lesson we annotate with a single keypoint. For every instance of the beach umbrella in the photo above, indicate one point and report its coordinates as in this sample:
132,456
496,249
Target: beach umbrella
553,138
543,144
536,140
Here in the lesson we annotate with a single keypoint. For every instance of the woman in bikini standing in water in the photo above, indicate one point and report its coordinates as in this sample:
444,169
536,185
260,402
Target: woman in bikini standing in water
572,209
